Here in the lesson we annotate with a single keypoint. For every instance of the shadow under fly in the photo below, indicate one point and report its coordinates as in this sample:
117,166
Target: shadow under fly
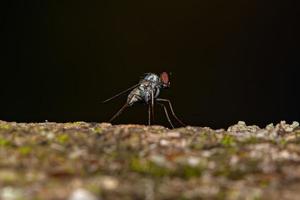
147,91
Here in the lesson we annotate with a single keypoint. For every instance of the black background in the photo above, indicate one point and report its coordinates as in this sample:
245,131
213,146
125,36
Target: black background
230,60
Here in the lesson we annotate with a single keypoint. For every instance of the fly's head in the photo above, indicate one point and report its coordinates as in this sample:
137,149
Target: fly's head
165,81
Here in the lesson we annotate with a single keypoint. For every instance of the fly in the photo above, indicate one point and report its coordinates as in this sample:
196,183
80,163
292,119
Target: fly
147,91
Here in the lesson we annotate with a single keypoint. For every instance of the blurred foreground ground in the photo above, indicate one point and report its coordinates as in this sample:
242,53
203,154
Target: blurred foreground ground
89,161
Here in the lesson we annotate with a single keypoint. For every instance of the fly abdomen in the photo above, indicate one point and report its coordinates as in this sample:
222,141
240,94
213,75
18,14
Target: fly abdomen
142,93
134,96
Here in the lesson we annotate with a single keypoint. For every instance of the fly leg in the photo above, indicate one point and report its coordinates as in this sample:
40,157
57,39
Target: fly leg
171,108
127,104
167,115
151,109
152,105
149,114
119,112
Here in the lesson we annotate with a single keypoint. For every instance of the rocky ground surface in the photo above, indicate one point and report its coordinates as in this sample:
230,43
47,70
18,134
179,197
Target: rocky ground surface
90,161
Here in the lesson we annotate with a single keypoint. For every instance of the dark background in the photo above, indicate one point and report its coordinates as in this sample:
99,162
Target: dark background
230,60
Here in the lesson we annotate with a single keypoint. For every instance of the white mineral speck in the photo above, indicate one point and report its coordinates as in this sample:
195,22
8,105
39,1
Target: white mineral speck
164,142
82,194
109,183
10,193
193,161
173,134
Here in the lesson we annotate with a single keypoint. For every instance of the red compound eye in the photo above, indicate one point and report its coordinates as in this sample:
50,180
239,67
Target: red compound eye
165,78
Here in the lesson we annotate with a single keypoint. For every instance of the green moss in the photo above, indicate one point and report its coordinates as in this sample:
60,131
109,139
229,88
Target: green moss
63,138
182,197
227,141
4,142
152,169
5,126
93,188
297,133
97,130
282,142
25,150
197,145
147,167
8,176
250,140
264,183
189,171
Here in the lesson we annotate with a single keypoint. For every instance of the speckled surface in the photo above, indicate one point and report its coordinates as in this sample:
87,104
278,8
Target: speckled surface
104,161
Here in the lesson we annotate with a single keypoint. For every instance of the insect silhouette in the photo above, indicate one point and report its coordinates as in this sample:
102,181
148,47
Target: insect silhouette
147,91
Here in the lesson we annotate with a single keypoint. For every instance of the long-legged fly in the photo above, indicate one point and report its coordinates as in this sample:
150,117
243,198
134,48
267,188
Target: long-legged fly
147,91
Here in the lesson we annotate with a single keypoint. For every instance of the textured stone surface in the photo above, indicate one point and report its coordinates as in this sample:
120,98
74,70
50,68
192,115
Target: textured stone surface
101,161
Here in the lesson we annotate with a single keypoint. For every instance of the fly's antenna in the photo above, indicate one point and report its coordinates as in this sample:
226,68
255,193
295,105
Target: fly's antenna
120,93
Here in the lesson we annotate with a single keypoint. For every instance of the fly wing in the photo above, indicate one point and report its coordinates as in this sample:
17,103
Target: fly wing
120,93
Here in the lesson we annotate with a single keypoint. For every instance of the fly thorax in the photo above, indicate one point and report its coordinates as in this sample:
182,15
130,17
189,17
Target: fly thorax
145,90
152,77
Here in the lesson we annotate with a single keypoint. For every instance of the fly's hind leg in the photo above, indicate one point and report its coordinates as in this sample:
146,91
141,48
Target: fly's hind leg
127,104
119,112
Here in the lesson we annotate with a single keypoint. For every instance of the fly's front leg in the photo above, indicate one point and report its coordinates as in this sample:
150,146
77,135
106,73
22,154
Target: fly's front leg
152,105
149,114
171,108
167,115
